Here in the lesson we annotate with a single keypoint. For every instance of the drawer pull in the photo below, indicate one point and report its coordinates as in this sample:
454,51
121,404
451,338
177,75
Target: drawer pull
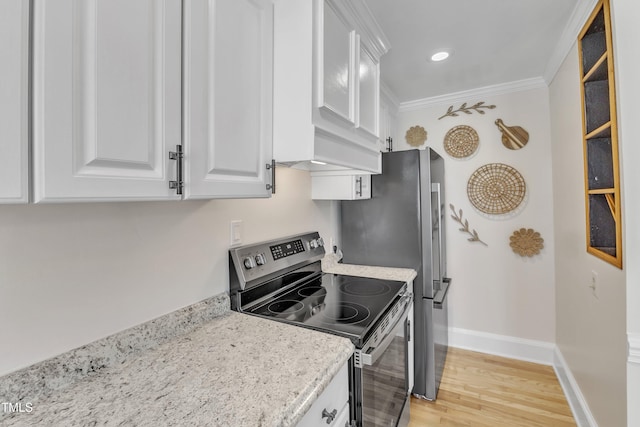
329,415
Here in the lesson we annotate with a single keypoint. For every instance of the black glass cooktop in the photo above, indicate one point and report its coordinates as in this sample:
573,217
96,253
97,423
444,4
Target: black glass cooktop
345,305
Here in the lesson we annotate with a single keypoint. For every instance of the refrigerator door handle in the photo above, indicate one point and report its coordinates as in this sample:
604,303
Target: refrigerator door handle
440,296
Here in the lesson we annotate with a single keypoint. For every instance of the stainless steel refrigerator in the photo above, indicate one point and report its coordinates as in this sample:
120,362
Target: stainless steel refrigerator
402,225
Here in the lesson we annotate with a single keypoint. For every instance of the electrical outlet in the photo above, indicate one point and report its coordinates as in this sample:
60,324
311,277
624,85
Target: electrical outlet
235,232
593,284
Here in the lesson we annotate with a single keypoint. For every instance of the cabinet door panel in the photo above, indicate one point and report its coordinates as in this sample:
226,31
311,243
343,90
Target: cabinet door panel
336,69
228,97
106,98
14,100
368,93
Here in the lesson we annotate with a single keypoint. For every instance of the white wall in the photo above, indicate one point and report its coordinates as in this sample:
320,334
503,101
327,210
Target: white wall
626,15
590,331
74,273
494,290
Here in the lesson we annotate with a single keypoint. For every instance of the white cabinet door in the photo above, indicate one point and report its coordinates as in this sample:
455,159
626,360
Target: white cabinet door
14,100
336,63
368,92
107,98
339,185
228,61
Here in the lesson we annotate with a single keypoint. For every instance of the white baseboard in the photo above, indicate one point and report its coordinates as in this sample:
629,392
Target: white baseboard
581,412
541,352
502,345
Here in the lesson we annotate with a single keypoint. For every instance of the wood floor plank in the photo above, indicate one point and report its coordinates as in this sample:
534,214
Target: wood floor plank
484,390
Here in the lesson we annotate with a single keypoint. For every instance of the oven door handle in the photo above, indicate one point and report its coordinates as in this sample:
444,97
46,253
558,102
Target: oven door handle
369,356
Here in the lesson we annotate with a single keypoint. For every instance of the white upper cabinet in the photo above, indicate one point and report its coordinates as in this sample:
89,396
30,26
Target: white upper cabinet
228,70
336,87
368,92
119,84
107,98
326,84
14,96
387,123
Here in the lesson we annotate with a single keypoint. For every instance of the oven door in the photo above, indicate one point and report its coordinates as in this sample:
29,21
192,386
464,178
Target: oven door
381,398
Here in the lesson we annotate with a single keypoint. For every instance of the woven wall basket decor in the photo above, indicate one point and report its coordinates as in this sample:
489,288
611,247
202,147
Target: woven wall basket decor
496,189
416,136
461,141
526,242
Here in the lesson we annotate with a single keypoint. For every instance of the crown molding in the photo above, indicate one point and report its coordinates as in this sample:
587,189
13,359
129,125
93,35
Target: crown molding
368,28
467,95
579,16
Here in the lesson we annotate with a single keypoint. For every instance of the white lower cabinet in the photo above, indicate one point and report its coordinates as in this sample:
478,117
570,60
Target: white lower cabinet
340,186
14,96
331,408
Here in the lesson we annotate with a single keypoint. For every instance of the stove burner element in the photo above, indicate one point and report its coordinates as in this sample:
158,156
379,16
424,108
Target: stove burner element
364,288
312,291
285,307
346,312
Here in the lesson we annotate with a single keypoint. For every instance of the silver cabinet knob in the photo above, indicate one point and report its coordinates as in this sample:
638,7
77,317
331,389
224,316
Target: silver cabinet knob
249,263
261,259
329,415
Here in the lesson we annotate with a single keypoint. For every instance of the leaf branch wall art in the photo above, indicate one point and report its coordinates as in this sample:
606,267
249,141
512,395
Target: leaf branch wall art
457,216
477,107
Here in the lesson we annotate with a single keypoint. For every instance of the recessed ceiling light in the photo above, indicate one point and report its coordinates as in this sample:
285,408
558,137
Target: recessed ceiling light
315,162
439,56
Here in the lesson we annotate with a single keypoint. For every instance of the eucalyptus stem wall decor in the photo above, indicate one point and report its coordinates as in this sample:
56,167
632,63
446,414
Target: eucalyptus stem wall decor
457,216
477,107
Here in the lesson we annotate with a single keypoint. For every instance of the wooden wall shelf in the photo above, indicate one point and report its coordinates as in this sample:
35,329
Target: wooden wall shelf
600,137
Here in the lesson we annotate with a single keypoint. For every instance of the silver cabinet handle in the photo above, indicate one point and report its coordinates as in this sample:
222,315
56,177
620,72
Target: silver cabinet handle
329,415
359,190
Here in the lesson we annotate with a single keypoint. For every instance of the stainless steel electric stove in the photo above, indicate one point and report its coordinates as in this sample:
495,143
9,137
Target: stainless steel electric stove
282,280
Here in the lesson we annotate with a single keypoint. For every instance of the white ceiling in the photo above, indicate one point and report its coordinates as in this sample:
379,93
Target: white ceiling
491,42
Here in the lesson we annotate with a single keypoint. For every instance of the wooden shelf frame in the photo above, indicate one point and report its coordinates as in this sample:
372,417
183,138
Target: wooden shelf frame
603,205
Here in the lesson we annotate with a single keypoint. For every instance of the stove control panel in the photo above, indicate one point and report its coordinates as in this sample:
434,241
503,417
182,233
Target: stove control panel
253,263
286,249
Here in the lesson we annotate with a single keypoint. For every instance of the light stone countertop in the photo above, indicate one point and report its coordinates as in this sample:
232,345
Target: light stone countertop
331,265
236,370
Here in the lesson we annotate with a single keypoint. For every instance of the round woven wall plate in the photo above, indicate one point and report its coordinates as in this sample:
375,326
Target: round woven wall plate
526,242
461,141
416,136
496,189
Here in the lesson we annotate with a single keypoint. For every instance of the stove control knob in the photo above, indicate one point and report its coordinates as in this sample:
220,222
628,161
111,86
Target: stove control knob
320,241
261,259
249,263
313,243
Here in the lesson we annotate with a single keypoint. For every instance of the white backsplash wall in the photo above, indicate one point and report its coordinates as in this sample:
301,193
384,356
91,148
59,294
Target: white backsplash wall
74,273
494,290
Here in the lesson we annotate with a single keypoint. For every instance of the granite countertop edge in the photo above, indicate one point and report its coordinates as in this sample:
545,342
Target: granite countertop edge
204,370
331,265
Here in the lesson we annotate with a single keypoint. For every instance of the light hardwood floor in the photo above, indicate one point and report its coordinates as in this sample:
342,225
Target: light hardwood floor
483,390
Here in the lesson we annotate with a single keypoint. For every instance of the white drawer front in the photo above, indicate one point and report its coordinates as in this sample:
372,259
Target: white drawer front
334,398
